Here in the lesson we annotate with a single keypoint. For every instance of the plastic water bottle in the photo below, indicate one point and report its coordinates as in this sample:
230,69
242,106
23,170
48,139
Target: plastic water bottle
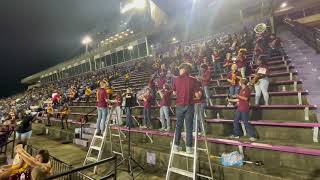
218,116
22,176
284,88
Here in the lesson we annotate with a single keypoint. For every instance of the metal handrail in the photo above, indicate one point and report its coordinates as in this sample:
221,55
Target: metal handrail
77,170
309,35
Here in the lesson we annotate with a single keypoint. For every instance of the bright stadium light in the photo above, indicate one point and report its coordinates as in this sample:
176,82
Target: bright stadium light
130,47
174,39
284,4
86,41
131,32
136,4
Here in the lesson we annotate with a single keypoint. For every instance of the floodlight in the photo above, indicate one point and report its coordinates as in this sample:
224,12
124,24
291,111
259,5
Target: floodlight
130,47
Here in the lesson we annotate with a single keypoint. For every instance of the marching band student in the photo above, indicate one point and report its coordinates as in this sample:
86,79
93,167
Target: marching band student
64,115
243,100
261,83
242,62
184,88
233,78
147,109
102,105
200,100
275,45
118,102
216,63
126,80
87,94
49,114
228,62
206,78
165,94
128,102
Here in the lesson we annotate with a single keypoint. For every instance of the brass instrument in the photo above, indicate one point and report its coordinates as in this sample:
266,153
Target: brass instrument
260,28
233,79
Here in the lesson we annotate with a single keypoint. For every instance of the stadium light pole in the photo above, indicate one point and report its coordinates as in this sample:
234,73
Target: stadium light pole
86,41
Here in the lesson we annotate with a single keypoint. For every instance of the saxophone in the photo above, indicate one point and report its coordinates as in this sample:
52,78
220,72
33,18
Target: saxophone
233,79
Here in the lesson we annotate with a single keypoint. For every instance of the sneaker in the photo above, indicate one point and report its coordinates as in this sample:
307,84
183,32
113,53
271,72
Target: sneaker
234,137
189,150
162,129
98,133
176,148
252,139
168,129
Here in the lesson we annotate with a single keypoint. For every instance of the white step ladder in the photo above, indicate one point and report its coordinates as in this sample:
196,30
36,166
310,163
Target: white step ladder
114,116
97,145
194,173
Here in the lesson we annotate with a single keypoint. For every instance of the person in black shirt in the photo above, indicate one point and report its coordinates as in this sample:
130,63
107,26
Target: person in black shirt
24,129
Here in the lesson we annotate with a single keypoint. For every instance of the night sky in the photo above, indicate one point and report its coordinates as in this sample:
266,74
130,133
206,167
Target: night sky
36,34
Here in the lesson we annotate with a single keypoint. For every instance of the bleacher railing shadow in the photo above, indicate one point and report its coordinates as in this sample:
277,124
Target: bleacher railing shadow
309,35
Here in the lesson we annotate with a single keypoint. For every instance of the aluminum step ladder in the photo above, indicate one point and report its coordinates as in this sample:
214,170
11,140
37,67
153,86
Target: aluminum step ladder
97,145
114,116
194,173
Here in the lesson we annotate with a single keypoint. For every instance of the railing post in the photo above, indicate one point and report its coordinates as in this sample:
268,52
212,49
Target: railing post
115,167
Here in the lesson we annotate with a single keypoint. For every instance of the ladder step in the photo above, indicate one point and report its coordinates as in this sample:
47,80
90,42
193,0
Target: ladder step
202,149
181,153
92,159
116,135
99,137
95,148
115,152
204,176
181,172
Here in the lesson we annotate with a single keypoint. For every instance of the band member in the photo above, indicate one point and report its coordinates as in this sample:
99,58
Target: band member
118,102
165,94
102,105
147,109
49,114
126,80
233,79
242,62
261,82
64,115
128,102
228,62
184,88
87,94
216,62
275,45
243,100
201,101
205,79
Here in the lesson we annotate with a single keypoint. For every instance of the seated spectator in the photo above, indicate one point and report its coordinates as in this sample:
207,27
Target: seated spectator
41,166
18,165
126,80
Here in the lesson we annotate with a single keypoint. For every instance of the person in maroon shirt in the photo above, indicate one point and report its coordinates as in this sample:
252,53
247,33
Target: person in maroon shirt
262,85
117,103
205,80
216,63
147,109
165,94
102,105
275,46
242,62
184,88
243,100
228,62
